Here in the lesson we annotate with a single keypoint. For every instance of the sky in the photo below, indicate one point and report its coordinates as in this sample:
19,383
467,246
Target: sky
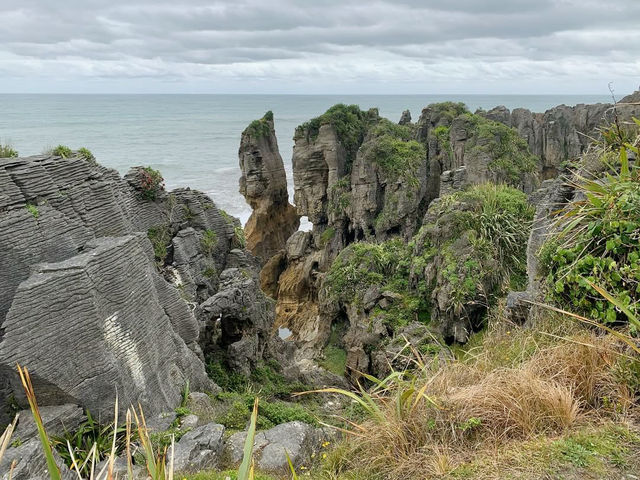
320,46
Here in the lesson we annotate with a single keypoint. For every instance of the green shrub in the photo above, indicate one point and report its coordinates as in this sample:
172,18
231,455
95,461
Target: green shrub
397,157
442,135
476,242
598,244
6,151
62,151
386,265
209,242
160,238
83,439
238,236
260,128
335,360
87,155
151,183
445,112
225,379
350,123
327,235
509,152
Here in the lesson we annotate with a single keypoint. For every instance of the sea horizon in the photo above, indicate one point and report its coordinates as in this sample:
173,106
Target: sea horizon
193,138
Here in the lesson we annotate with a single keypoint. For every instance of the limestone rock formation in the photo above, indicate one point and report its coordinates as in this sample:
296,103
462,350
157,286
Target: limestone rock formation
101,281
264,185
297,439
199,449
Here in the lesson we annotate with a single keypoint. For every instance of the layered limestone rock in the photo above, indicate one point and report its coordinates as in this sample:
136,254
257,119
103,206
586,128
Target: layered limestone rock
358,177
102,280
264,185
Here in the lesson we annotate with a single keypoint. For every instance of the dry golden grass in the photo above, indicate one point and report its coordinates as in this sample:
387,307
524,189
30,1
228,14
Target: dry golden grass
519,384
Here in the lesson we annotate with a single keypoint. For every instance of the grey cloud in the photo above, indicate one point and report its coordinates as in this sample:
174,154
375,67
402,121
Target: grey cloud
328,37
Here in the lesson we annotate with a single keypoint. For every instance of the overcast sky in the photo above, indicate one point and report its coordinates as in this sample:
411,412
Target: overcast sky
320,46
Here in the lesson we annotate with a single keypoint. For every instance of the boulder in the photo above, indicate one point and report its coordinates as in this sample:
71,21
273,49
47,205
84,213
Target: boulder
57,420
297,439
30,463
199,449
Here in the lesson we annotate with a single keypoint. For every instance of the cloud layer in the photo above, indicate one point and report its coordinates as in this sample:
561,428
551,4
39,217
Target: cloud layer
324,46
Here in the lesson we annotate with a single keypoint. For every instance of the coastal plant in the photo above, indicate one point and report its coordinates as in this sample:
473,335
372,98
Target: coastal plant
32,209
62,151
350,124
7,151
472,246
247,467
89,440
510,157
239,238
397,157
87,155
597,246
160,238
151,183
260,128
442,135
209,242
158,463
434,415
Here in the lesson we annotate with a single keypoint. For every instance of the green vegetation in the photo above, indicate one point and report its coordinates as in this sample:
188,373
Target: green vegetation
397,157
327,235
239,239
340,195
508,409
509,152
385,265
83,439
151,183
478,241
227,474
350,123
209,272
87,155
386,127
62,151
473,248
392,148
442,135
6,151
160,237
260,128
32,209
335,360
209,242
597,246
270,413
445,112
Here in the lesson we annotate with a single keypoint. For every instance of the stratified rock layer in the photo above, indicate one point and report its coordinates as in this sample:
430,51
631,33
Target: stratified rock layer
101,285
264,185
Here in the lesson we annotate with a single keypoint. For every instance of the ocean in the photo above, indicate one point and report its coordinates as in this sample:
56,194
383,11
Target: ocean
193,139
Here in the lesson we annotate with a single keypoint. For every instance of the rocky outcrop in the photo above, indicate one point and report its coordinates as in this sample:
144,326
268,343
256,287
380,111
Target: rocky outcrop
563,133
264,185
358,177
199,449
300,441
101,282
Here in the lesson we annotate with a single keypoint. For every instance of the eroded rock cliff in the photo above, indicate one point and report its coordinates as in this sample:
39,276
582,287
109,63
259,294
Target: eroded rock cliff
103,281
264,185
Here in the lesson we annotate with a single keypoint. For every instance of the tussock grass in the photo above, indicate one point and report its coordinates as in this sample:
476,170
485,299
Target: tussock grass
517,385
